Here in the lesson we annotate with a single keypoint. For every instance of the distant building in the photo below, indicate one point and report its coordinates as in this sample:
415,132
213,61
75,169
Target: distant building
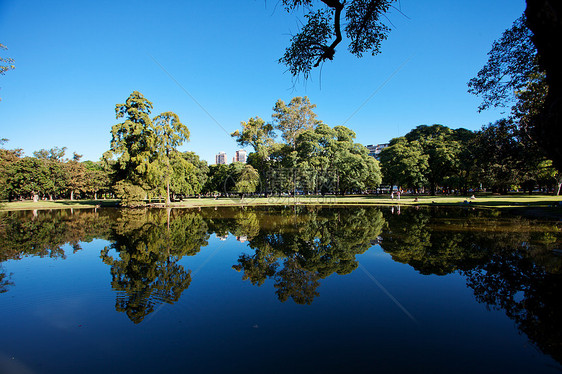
375,150
240,156
220,158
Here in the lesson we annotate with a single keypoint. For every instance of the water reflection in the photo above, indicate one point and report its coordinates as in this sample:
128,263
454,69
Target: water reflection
509,262
148,245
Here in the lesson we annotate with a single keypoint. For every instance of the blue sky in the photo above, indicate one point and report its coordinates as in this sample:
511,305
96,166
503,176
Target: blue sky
75,60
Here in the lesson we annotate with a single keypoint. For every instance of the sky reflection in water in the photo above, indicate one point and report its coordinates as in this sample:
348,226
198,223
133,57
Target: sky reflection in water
298,289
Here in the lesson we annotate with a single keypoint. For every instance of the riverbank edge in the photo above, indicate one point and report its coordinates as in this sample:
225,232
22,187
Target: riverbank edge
549,202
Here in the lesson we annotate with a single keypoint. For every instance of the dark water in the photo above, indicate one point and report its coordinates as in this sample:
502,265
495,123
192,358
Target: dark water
279,291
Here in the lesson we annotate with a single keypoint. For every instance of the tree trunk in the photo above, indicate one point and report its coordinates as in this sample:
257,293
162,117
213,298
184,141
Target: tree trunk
71,194
35,197
168,193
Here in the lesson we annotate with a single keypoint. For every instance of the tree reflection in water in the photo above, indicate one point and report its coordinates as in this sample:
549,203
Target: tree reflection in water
149,244
509,262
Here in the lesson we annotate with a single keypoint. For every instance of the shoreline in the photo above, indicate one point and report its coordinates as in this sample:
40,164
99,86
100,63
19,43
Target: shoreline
489,201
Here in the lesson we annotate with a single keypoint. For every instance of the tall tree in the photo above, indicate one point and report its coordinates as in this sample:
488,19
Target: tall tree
170,134
293,118
513,76
544,19
404,164
133,141
75,175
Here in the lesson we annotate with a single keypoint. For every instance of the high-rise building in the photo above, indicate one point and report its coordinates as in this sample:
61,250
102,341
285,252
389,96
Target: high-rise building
240,156
220,158
375,150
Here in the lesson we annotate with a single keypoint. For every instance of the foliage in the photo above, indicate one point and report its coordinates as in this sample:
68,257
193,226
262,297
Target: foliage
133,141
514,75
170,133
247,180
313,157
317,40
146,148
403,163
149,245
511,61
131,195
294,118
6,63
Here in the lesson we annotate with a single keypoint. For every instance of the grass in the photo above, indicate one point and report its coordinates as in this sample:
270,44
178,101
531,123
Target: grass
57,204
482,201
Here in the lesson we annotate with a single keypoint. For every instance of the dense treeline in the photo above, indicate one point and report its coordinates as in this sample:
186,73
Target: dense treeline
294,153
144,162
496,158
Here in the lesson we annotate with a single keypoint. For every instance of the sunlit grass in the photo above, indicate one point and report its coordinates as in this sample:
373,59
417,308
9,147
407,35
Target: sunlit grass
485,201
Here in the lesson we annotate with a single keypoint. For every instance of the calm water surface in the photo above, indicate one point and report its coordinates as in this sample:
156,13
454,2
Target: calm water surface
279,291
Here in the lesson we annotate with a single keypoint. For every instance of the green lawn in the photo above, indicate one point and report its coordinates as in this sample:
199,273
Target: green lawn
58,204
486,201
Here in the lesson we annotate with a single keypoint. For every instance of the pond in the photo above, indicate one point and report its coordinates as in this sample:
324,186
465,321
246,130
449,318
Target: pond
278,290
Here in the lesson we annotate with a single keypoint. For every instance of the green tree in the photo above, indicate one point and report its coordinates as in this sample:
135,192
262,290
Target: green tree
498,155
170,134
97,178
322,32
294,118
27,177
133,141
247,180
7,158
185,179
442,149
514,76
404,164
75,175
201,170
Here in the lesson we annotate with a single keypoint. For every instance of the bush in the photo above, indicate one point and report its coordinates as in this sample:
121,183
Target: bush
131,195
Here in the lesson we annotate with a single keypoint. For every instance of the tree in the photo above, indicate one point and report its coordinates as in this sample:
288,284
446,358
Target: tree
218,175
324,149
75,175
544,20
27,177
185,178
514,76
511,61
317,40
294,118
404,164
97,178
53,154
499,155
201,169
170,134
133,141
145,148
7,158
257,134
247,180
6,63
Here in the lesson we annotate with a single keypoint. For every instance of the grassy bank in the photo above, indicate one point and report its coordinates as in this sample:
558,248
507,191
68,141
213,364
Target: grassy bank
485,201
58,204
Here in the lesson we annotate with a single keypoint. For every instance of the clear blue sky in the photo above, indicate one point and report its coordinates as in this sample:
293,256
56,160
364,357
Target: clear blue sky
76,59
